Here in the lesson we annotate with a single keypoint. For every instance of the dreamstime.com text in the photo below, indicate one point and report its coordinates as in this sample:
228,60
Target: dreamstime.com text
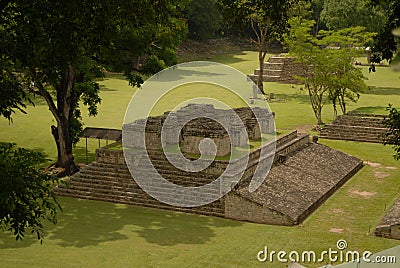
339,254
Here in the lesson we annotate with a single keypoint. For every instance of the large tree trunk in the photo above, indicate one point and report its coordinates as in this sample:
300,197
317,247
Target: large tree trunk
260,79
61,113
66,158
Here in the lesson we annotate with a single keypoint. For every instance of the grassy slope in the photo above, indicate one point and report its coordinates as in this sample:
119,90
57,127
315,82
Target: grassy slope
95,234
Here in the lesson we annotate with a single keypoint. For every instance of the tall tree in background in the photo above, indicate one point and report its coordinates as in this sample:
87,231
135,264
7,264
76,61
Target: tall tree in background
340,14
386,44
327,63
204,19
55,49
267,19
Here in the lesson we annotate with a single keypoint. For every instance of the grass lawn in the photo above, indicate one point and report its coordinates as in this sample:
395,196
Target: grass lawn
96,234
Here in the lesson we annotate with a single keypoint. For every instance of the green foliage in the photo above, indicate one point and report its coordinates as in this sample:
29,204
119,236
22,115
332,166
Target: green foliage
59,47
385,45
204,19
392,122
340,14
153,65
26,199
12,94
267,19
327,63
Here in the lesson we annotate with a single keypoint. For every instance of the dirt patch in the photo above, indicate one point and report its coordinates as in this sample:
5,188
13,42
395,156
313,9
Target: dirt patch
364,194
372,164
337,211
304,128
381,175
391,168
336,231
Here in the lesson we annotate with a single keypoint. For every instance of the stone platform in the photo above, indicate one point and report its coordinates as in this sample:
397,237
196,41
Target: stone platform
390,224
280,69
303,176
356,127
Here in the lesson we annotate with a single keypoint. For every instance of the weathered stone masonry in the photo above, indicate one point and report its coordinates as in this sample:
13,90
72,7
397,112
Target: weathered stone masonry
293,189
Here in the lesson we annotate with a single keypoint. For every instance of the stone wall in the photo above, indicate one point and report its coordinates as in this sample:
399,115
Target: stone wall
193,122
389,227
238,208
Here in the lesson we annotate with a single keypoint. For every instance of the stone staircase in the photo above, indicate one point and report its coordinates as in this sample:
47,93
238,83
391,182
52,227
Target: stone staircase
106,181
356,127
108,178
301,171
279,69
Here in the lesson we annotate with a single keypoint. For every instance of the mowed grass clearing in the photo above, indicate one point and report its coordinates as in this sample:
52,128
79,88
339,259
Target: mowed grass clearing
96,234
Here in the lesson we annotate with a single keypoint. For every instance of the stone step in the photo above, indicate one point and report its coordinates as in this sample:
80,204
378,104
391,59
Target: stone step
214,209
273,66
183,180
277,59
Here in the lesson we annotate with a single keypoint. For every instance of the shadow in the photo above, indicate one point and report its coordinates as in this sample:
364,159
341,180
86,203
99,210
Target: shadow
380,110
178,73
80,154
169,228
382,91
301,98
88,223
104,88
229,58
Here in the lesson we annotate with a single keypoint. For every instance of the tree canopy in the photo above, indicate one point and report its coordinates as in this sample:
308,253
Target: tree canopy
327,61
204,19
26,199
55,49
386,44
340,14
267,19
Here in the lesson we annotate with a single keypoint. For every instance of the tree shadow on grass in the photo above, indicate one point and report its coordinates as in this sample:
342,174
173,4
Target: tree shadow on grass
103,88
383,91
230,58
89,223
297,97
379,110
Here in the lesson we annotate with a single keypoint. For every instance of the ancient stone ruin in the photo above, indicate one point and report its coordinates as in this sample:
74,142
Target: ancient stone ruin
256,122
280,69
356,127
390,224
304,174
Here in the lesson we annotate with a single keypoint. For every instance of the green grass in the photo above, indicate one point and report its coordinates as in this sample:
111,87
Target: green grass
96,234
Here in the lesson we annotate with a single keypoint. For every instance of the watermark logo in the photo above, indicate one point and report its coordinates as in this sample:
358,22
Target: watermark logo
167,121
332,255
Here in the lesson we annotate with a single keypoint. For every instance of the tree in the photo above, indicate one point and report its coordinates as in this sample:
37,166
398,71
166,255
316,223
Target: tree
267,19
392,137
340,14
386,44
327,63
204,19
12,95
26,199
58,48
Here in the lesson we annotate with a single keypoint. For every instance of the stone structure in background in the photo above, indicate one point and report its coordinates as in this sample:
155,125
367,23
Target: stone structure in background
256,122
390,224
356,127
304,174
280,69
